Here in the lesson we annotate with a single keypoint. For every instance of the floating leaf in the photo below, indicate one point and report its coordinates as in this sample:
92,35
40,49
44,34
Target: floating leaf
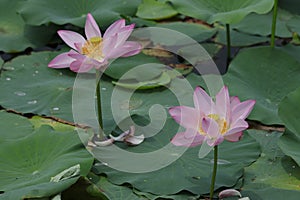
229,12
163,80
293,24
28,163
152,9
36,12
15,36
256,24
188,172
239,39
273,175
266,75
198,32
120,66
29,86
289,112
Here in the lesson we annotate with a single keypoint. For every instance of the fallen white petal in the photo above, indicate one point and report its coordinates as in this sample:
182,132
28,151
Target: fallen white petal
134,140
104,143
229,193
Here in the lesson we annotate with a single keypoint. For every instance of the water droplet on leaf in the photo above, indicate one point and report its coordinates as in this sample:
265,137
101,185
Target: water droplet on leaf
8,79
32,102
20,93
55,108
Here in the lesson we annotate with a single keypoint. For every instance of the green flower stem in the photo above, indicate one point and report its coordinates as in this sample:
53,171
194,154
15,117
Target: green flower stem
228,43
213,178
99,111
275,9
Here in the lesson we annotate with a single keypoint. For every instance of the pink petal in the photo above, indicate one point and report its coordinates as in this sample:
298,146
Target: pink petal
202,101
109,45
238,126
242,110
234,101
234,137
185,116
223,103
124,34
91,27
114,28
61,61
210,127
83,65
70,38
190,138
214,142
133,48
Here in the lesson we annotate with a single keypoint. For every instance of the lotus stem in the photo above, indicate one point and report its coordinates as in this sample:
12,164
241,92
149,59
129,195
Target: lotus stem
228,43
99,111
213,178
275,9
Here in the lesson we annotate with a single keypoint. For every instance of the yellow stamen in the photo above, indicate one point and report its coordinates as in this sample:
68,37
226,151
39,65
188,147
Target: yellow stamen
93,48
223,126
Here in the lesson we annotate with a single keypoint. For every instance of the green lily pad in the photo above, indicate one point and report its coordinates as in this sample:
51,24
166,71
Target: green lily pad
19,127
239,39
266,75
273,175
122,65
29,86
228,12
289,144
110,190
162,80
30,162
289,113
188,172
262,24
157,10
15,35
292,50
293,24
35,12
198,32
38,121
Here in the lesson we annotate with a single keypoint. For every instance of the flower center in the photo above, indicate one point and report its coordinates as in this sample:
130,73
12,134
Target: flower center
223,125
93,48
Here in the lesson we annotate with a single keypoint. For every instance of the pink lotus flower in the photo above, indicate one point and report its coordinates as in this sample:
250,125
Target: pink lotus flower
210,121
95,51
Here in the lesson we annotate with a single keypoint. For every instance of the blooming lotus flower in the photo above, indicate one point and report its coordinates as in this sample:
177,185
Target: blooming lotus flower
210,121
95,51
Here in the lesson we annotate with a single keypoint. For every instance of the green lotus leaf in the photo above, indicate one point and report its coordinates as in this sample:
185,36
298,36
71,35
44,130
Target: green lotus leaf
292,50
293,24
15,35
40,164
122,65
239,39
29,86
162,80
262,24
188,172
198,32
274,175
19,127
289,111
254,74
36,12
227,12
157,10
